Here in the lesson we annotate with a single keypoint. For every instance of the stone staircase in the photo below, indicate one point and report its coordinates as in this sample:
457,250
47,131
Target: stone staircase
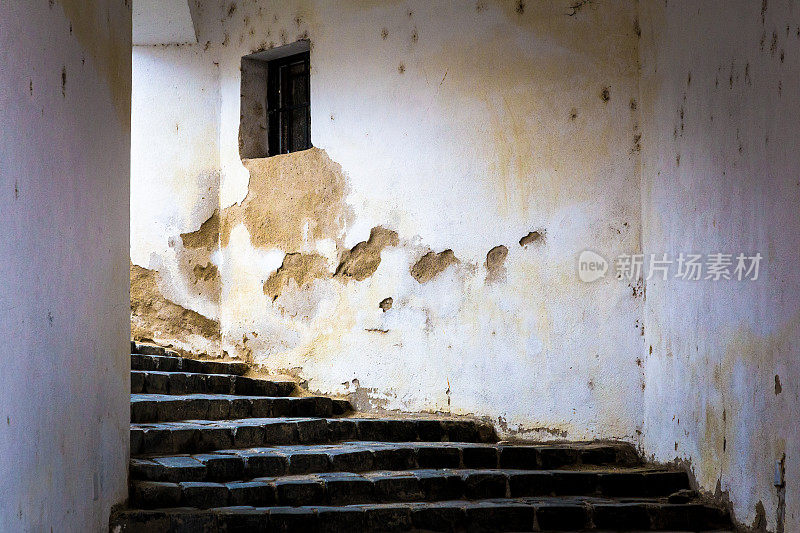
212,450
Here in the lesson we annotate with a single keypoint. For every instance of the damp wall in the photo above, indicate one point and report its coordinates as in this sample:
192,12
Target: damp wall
175,173
64,185
422,255
720,113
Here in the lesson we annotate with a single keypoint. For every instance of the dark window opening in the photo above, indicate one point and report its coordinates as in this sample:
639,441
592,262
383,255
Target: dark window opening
288,104
275,105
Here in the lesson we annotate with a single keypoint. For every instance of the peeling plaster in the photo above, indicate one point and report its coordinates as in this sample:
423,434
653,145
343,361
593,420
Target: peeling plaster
432,264
495,260
442,163
156,319
363,259
291,200
299,269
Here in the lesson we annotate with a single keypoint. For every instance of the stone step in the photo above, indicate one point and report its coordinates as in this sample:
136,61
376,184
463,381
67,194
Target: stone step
346,488
158,382
168,408
230,465
151,349
502,514
182,364
204,435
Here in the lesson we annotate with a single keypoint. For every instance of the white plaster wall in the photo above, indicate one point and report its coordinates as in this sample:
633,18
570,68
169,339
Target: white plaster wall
454,130
175,161
64,185
162,22
719,89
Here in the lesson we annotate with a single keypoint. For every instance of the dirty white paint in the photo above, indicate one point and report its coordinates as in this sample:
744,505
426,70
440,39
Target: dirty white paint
64,184
162,22
719,89
460,126
175,163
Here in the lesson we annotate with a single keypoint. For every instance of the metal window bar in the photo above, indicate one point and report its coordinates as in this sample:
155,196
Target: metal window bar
288,104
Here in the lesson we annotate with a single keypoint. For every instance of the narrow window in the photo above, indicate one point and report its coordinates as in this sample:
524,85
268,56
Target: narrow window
275,105
288,105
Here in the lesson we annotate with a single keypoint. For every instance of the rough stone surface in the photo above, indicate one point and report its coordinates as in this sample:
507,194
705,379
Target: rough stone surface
196,468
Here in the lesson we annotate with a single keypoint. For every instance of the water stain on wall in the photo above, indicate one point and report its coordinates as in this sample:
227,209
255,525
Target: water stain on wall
109,50
529,163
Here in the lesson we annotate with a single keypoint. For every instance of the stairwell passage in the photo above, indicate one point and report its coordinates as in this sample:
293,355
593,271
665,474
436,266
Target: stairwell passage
213,450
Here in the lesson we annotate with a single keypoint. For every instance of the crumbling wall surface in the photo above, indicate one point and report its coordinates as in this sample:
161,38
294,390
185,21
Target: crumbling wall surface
721,110
445,134
175,194
157,319
64,187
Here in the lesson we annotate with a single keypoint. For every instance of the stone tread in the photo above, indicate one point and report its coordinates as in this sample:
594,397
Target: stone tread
265,459
181,364
160,382
169,408
345,488
205,435
361,456
500,514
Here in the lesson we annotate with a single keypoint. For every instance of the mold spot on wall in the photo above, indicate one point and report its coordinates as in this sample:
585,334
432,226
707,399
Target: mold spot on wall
401,68
605,94
64,82
363,259
300,268
292,199
573,114
576,7
778,387
637,146
384,33
531,238
495,263
387,303
432,264
520,9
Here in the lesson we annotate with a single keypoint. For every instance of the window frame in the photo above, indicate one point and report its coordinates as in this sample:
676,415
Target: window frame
280,124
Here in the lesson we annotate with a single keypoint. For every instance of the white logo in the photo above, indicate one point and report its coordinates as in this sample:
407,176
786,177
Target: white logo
591,266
